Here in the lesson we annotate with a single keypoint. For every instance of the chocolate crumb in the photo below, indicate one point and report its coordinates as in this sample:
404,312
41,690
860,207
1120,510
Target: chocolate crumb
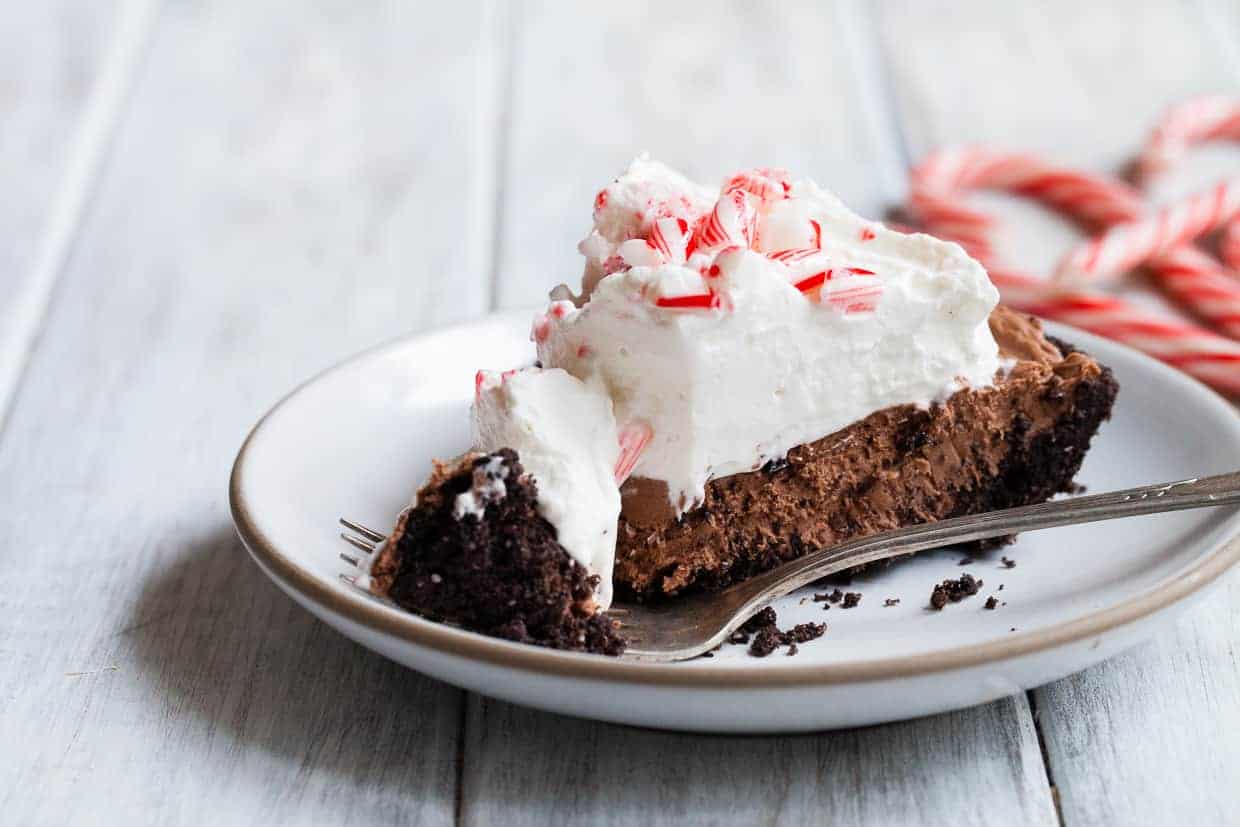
767,640
767,637
821,598
965,561
761,620
1007,564
891,601
835,596
803,632
851,600
992,602
966,585
1013,629
1000,587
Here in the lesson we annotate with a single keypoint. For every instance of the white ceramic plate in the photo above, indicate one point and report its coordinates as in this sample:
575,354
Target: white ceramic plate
356,440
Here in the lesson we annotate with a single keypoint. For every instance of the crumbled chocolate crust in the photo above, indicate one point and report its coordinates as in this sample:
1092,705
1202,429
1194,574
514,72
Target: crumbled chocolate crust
761,620
767,637
966,585
765,641
1016,443
504,575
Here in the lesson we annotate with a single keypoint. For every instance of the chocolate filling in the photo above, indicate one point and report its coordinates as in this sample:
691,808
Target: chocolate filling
1019,441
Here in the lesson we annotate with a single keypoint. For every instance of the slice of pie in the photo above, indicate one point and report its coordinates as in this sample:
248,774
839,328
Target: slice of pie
746,375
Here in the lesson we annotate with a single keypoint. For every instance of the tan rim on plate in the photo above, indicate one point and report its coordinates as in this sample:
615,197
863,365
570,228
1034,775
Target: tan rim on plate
469,645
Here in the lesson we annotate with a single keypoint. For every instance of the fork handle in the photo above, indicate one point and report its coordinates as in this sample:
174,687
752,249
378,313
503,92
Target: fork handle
1204,492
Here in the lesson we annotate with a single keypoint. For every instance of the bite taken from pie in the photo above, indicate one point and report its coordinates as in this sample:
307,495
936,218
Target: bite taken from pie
745,374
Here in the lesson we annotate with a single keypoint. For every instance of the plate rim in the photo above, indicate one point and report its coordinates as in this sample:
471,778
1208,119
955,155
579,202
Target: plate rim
452,641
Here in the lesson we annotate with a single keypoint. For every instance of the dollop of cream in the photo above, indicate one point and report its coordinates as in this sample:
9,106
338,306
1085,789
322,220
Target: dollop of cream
565,437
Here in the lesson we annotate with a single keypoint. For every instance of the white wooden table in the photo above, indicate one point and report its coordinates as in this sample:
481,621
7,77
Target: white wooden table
204,203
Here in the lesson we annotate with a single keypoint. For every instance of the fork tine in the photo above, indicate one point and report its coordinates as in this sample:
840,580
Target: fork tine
357,543
368,533
349,558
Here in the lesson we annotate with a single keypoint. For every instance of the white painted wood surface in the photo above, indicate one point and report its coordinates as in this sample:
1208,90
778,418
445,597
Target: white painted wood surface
977,766
64,69
288,183
205,202
1152,737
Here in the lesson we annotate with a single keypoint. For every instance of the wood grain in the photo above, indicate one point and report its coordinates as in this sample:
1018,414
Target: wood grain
64,70
1154,736
789,84
278,195
978,766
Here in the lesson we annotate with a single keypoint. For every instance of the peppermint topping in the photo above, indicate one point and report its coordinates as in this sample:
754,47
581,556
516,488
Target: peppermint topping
672,229
633,439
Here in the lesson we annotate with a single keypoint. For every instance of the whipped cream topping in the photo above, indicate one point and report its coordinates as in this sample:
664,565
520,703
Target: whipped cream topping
565,436
737,327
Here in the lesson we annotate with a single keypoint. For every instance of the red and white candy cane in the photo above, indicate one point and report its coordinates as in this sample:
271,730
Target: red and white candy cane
1229,245
941,179
938,190
633,438
1197,351
1192,122
1188,123
1203,285
1133,243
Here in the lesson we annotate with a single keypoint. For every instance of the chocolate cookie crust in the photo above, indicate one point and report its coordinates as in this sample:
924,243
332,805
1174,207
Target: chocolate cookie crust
502,573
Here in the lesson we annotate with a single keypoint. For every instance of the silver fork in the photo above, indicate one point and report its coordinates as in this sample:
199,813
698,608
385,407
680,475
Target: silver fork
688,626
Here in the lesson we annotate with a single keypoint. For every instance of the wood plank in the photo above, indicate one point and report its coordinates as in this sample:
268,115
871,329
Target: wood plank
978,766
788,84
1154,736
64,69
291,182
